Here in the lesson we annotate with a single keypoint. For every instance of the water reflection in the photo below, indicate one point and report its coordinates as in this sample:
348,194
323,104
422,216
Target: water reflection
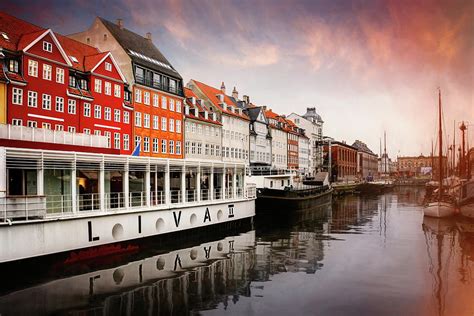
357,255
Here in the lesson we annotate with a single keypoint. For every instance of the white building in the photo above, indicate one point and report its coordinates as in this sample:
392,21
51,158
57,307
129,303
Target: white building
203,131
304,155
312,123
235,123
260,137
279,140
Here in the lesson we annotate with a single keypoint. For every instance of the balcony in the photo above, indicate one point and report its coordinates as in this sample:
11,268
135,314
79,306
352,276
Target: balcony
158,85
43,135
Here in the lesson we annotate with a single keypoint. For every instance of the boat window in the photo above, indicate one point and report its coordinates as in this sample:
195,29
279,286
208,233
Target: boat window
22,182
271,184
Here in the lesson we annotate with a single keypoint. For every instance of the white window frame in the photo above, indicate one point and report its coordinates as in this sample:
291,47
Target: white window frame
117,140
138,95
98,85
126,117
171,105
33,68
107,114
117,115
71,106
155,145
138,119
178,106
146,98
146,120
163,124
156,124
163,102
97,111
107,88
87,110
117,91
17,96
163,146
146,144
59,104
47,72
46,125
178,126
46,101
126,142
32,124
108,66
17,122
59,75
47,47
171,125
71,129
156,100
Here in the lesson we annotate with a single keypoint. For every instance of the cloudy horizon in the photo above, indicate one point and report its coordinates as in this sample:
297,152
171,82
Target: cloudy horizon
367,66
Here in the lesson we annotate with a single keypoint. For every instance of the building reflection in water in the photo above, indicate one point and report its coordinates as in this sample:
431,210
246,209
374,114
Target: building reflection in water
218,274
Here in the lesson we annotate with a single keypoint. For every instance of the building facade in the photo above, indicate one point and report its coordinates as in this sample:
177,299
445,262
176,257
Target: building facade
409,166
343,161
312,123
279,140
155,85
260,139
367,161
235,123
305,166
292,142
56,83
203,132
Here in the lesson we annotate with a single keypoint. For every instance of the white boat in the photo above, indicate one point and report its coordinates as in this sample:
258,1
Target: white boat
440,204
439,209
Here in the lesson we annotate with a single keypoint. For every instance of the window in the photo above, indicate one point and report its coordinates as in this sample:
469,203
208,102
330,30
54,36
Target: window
126,117
33,68
138,96
109,140
59,127
71,106
17,122
146,120
117,140
138,119
46,125
71,129
13,66
146,144
155,100
33,124
178,148
155,122
138,142
163,146
206,150
87,131
186,147
163,102
108,66
155,145
212,150
117,115
107,88
97,132
163,123
59,75
47,70
59,104
117,91
193,148
126,142
172,85
83,84
98,85
171,143
97,111
178,106
87,110
171,104
47,47
193,127
107,113
46,102
146,98
32,99
72,81
171,123
199,148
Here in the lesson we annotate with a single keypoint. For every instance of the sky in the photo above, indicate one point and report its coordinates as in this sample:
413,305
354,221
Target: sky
367,66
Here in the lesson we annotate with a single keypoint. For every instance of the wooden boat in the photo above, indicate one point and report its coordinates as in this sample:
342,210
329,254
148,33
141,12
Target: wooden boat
440,204
269,199
466,199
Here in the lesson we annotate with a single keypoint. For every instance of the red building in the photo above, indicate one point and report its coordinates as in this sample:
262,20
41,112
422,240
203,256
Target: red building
292,130
343,161
56,83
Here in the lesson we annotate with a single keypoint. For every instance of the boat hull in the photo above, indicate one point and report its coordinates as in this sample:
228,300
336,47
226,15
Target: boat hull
467,209
266,202
439,209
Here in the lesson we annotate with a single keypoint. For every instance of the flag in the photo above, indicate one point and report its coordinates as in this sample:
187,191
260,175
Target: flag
136,151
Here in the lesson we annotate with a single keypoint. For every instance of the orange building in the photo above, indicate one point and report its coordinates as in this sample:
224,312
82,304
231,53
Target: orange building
156,87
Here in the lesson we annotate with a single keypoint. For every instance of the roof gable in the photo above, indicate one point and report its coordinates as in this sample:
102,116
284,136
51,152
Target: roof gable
96,64
15,28
34,44
140,49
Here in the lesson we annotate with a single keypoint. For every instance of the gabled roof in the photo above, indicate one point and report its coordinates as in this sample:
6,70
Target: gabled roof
212,94
15,29
140,49
254,112
78,50
188,93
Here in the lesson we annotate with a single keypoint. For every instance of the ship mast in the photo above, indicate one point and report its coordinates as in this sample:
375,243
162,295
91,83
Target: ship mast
440,150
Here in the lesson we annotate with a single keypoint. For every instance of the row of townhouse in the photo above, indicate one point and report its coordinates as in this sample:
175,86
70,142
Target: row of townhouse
118,89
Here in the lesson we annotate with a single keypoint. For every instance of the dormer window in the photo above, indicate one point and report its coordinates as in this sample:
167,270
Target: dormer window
83,84
74,59
47,47
13,66
108,66
72,81
5,36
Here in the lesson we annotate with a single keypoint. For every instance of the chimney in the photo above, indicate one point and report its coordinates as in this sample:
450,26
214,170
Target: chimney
246,99
120,23
235,94
223,87
264,107
148,36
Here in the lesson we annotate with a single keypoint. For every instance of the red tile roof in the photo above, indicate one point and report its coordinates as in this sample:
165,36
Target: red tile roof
15,77
188,93
21,33
212,93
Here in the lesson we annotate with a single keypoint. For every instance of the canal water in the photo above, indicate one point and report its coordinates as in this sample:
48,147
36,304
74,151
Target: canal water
372,255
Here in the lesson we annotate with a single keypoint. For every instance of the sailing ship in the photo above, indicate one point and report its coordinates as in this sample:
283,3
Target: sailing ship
466,190
440,204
